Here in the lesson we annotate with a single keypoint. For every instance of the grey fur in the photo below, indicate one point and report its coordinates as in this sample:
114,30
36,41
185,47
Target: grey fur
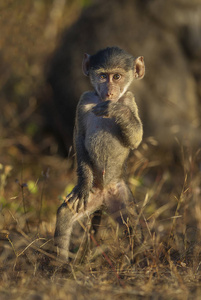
105,132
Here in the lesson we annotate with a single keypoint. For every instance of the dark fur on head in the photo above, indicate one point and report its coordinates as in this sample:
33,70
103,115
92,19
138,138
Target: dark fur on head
110,58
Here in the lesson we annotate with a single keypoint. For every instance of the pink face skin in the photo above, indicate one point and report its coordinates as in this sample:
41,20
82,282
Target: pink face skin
111,85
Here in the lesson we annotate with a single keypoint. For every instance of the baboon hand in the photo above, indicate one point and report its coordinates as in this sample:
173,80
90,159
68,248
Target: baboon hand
77,198
102,109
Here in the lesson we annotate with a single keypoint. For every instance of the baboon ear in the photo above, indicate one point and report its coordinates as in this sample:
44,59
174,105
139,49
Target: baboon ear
85,64
139,68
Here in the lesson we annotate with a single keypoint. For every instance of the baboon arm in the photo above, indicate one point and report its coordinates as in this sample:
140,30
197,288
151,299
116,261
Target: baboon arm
84,168
125,114
80,193
129,123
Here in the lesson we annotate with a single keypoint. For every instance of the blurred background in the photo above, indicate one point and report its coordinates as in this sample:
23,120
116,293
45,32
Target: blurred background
41,49
42,43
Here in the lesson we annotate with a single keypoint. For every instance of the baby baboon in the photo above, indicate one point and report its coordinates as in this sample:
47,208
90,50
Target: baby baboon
107,127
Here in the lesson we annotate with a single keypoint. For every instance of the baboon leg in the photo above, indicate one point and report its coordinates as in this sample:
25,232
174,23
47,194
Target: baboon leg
67,219
117,203
63,231
121,205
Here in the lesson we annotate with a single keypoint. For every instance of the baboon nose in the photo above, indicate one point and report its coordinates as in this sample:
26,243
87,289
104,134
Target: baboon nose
109,95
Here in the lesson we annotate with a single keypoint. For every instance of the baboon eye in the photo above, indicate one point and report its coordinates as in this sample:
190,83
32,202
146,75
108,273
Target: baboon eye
103,76
117,76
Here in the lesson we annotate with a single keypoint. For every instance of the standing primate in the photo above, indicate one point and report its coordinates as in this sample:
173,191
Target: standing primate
107,127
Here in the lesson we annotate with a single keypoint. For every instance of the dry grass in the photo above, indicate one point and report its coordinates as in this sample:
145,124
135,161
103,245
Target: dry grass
166,186
168,195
